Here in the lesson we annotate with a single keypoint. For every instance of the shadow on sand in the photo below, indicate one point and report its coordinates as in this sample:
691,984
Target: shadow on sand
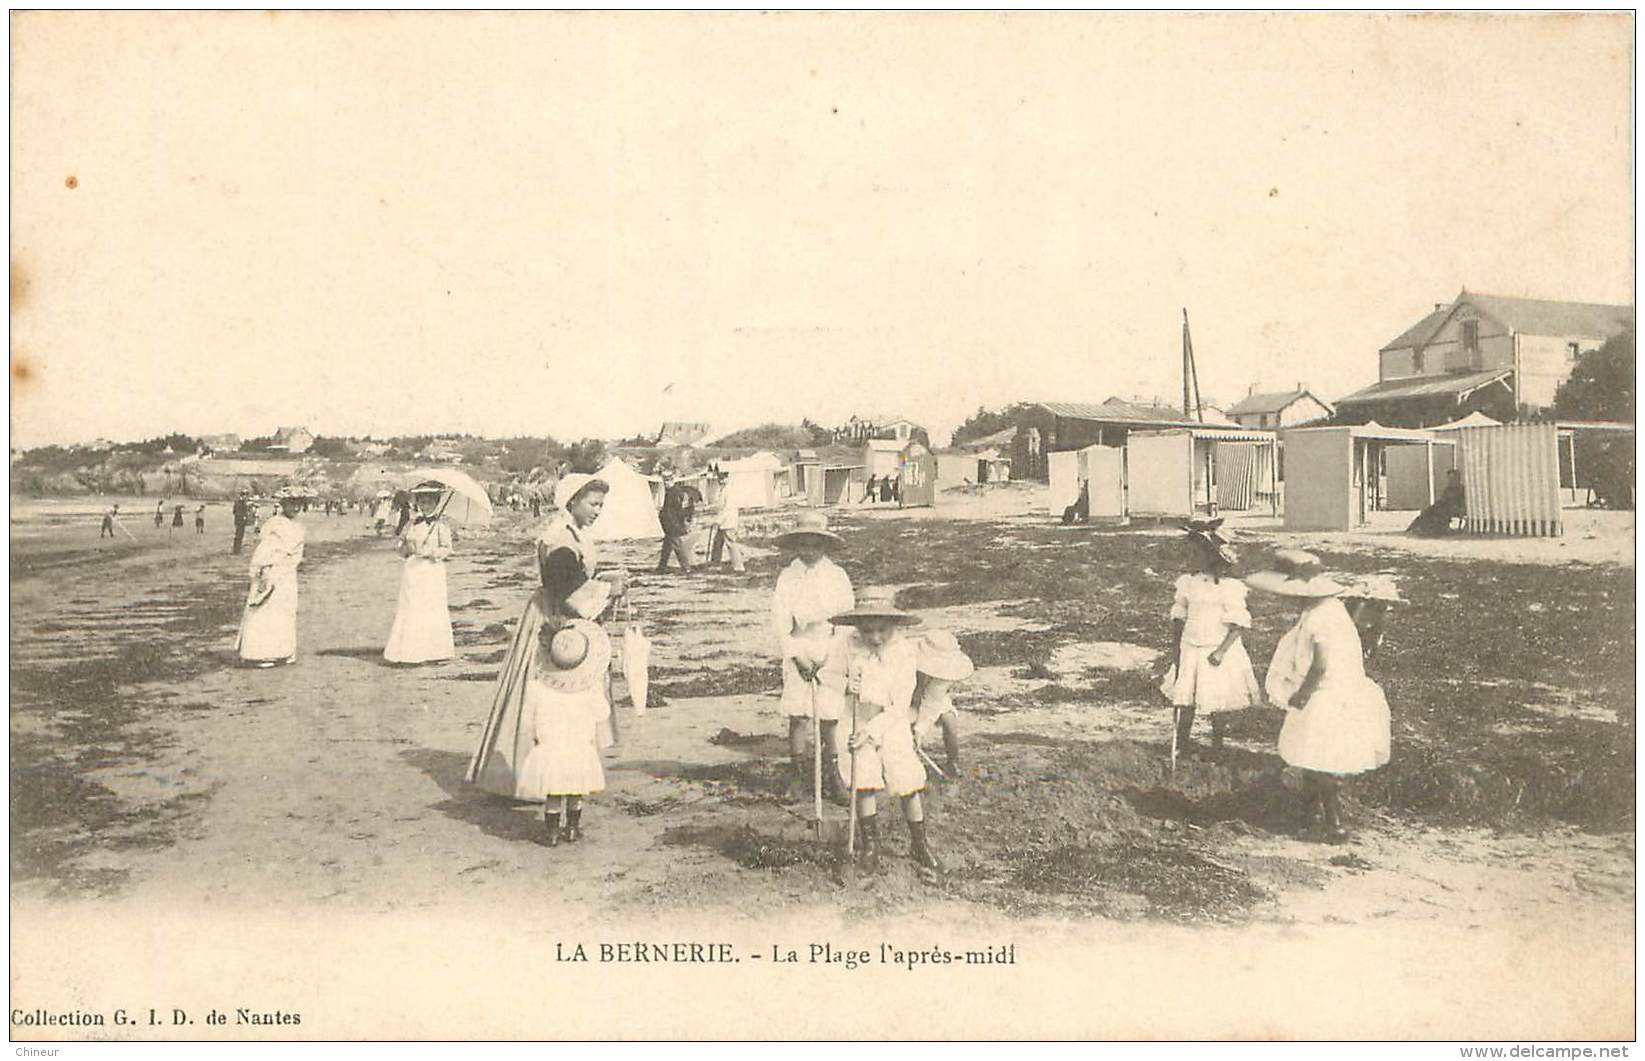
493,815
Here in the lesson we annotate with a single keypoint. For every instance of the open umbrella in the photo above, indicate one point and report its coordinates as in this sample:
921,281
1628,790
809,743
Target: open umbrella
466,502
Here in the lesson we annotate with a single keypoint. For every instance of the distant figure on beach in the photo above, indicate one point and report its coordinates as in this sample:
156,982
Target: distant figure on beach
870,494
1435,520
422,621
678,511
160,513
242,519
110,514
200,520
1080,510
177,517
268,628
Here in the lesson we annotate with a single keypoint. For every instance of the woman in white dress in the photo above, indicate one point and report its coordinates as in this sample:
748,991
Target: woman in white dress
422,622
268,628
1337,722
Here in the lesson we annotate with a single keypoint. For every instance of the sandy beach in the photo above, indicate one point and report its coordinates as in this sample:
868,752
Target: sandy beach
289,839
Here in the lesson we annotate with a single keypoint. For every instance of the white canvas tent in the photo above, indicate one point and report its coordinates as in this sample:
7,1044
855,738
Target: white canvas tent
752,481
629,511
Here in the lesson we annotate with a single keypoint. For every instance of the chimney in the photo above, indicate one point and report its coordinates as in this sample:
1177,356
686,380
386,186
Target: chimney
1438,306
1251,390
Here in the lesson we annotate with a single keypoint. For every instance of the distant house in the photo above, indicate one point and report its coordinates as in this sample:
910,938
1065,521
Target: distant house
1482,353
292,440
98,445
371,449
863,428
441,450
221,443
1279,408
682,433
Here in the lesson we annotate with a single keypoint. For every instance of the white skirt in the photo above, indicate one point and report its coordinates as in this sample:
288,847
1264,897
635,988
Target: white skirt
268,631
1228,686
422,622
564,759
1343,730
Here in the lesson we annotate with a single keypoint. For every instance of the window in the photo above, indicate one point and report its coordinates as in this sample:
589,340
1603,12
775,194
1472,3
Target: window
1470,336
1417,359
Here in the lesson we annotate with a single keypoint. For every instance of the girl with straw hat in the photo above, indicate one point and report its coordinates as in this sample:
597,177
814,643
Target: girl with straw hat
565,700
879,668
1337,723
422,619
810,590
941,663
1210,672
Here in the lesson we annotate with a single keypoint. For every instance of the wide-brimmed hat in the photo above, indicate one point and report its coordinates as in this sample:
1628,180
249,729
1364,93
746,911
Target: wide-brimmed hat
291,492
876,603
577,656
429,486
810,526
940,656
1295,574
1207,535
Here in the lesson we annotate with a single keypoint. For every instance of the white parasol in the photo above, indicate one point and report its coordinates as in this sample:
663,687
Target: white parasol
466,501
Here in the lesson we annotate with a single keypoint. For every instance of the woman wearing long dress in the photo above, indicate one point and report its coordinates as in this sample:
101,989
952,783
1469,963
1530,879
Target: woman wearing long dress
566,560
268,628
422,622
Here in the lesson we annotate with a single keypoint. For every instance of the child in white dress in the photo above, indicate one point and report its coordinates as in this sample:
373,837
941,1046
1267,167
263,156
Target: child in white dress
565,701
1210,672
1337,722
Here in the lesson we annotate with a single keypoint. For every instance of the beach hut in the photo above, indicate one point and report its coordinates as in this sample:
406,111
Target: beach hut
1177,473
1510,478
882,457
752,481
1101,467
630,512
917,471
1335,477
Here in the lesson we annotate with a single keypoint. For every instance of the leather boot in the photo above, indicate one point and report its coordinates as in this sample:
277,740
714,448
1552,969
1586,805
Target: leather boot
573,825
868,843
833,791
1185,730
551,831
931,867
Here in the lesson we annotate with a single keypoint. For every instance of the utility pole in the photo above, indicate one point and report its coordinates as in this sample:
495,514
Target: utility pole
1192,409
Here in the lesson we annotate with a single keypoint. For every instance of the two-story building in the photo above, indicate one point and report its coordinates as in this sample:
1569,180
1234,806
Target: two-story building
292,440
863,428
1487,353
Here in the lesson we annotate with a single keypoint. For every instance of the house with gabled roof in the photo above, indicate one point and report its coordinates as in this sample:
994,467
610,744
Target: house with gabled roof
292,440
1279,408
1493,354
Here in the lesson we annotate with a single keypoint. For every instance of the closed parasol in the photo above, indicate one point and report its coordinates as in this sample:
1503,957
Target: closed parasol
466,501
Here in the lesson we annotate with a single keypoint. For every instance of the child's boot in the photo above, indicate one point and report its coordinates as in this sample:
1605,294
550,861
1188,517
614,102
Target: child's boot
799,782
573,824
1185,730
833,791
868,844
551,830
931,867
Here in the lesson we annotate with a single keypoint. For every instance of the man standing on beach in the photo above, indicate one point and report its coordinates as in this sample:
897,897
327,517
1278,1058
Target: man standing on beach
110,514
242,519
679,507
160,513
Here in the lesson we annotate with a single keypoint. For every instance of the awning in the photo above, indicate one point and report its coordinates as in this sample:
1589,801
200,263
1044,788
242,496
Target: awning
1214,434
1455,386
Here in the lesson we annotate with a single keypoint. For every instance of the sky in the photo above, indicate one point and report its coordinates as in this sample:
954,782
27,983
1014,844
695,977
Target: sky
587,224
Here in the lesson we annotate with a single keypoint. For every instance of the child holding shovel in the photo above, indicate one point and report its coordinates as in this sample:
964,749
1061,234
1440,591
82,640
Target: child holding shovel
879,668
1210,671
810,590
941,662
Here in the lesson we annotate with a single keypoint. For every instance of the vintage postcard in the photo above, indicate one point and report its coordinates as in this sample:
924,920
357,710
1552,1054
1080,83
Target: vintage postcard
823,525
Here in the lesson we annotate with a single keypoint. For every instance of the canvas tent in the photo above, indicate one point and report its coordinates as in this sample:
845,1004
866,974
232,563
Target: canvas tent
629,511
752,481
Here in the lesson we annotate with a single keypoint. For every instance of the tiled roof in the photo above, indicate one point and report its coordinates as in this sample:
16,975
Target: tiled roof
1426,386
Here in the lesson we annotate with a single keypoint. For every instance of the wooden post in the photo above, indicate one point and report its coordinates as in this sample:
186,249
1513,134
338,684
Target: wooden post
1430,446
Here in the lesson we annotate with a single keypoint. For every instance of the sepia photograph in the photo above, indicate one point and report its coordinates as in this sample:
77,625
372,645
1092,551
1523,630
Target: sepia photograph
595,525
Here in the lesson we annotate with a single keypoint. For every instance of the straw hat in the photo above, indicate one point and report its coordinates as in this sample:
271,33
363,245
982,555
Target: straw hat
1207,535
291,492
429,486
810,526
576,658
1295,574
875,603
940,656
